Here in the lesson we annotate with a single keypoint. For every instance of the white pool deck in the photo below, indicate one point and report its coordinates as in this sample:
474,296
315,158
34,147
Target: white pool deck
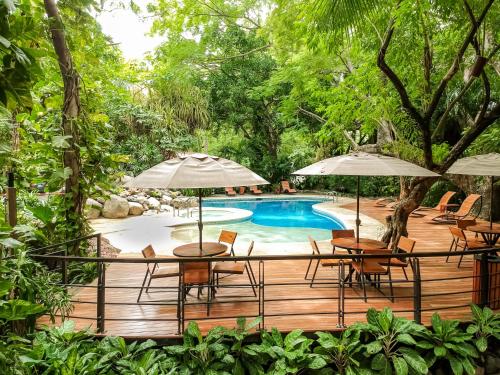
132,234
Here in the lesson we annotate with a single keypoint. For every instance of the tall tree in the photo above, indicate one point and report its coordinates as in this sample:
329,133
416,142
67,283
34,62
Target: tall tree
445,38
70,113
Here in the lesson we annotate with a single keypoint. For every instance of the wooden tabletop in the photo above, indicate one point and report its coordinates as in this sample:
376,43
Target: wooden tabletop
484,228
362,244
209,249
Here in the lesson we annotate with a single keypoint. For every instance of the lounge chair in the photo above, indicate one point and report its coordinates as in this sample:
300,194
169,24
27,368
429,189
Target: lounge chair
255,190
155,272
324,262
383,202
439,208
237,268
460,242
463,212
230,191
285,188
241,190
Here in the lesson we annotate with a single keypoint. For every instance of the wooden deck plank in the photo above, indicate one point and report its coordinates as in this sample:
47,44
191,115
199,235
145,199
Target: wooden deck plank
429,237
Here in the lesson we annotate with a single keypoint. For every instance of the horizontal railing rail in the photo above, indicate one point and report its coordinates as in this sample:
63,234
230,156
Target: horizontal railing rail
301,296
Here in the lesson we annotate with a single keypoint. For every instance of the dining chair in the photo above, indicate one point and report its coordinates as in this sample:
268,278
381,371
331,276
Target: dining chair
336,233
155,271
196,274
229,238
405,245
460,241
237,268
324,262
371,267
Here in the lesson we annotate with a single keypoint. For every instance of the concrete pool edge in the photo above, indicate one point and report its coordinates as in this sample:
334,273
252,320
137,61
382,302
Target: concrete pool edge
236,215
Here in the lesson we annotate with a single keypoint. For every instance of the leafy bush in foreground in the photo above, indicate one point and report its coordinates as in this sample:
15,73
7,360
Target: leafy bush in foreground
385,344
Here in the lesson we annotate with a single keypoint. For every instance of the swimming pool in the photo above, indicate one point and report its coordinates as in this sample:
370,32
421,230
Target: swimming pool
273,221
289,213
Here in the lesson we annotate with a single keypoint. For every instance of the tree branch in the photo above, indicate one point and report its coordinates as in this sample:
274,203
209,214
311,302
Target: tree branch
456,62
398,85
312,115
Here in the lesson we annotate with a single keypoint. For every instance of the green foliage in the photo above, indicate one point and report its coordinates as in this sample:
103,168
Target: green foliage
384,345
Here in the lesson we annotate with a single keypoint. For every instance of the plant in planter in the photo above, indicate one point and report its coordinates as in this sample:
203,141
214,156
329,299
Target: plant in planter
448,347
390,343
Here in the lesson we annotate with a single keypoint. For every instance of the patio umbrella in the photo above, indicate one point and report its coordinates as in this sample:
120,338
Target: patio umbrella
479,165
364,164
196,171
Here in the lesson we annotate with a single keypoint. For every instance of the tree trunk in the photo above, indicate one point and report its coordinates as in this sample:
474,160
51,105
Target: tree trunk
410,200
70,113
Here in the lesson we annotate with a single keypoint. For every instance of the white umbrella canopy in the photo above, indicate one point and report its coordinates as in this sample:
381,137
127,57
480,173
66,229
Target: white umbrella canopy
479,165
196,171
364,164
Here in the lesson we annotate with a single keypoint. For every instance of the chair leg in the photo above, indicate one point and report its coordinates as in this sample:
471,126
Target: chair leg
362,279
390,286
450,250
308,268
314,274
142,286
404,271
251,281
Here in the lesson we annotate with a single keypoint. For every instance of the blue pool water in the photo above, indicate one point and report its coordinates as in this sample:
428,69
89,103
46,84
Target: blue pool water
288,213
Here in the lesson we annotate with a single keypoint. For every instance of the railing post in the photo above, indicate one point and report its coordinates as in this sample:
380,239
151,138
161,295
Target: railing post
262,313
98,245
417,292
64,267
340,322
484,274
101,296
182,296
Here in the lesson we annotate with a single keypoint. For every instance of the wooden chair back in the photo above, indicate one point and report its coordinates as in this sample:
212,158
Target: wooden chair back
406,244
285,185
148,252
467,204
445,199
242,190
227,237
463,224
342,233
250,248
458,233
229,190
314,246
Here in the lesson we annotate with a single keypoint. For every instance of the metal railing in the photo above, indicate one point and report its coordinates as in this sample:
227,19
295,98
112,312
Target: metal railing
266,284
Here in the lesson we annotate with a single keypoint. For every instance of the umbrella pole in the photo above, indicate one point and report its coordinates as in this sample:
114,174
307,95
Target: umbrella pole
200,222
491,202
358,222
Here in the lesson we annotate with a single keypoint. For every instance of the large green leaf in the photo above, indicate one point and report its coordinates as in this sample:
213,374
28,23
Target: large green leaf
17,309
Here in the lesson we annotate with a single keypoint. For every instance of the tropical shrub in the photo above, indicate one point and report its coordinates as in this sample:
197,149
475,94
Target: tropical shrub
385,344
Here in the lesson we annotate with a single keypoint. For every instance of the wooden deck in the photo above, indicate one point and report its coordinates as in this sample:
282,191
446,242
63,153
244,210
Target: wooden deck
312,315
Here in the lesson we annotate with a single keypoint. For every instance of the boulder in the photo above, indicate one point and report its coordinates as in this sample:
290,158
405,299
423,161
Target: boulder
135,209
126,179
115,207
165,207
92,209
153,203
165,199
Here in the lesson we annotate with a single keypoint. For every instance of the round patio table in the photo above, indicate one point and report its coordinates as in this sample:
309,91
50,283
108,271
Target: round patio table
490,235
209,249
358,246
